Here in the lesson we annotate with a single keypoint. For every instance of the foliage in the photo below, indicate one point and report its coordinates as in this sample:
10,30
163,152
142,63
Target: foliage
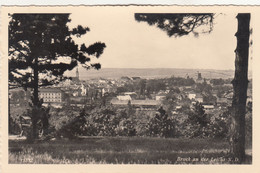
170,102
198,121
126,127
155,85
128,87
161,125
41,49
14,126
107,121
222,90
219,125
37,41
21,118
209,99
178,24
142,86
195,122
219,81
100,122
203,88
179,81
60,117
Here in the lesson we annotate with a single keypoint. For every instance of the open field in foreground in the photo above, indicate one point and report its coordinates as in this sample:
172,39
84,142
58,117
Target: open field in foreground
121,150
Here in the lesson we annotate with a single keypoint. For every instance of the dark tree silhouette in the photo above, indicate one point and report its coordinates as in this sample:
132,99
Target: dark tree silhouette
240,84
36,44
199,119
180,24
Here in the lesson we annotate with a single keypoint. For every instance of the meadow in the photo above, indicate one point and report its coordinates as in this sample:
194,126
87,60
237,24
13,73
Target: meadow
121,150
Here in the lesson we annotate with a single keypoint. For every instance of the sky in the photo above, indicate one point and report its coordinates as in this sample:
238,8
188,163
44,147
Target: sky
132,44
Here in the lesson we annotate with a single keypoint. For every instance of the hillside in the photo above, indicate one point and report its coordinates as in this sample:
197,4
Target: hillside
153,73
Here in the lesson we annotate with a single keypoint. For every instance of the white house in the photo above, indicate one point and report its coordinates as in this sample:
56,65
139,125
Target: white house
192,96
124,97
199,98
208,107
160,97
51,95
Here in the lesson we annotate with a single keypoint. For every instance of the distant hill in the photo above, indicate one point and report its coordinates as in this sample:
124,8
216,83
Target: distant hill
154,73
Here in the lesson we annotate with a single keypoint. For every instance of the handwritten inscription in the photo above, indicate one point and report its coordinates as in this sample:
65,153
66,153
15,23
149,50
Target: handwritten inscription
206,160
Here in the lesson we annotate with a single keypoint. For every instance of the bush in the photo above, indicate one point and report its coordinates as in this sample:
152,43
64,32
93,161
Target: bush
219,127
14,127
107,121
59,118
161,125
101,122
196,123
126,127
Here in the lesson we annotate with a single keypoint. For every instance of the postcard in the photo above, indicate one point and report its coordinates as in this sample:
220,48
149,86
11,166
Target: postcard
129,88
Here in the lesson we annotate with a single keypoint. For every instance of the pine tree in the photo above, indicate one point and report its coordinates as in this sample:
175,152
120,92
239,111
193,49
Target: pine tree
41,49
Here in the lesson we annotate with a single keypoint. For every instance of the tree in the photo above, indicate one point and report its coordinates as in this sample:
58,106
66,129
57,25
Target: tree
199,119
178,24
161,125
183,24
217,81
142,84
41,49
240,84
155,85
170,101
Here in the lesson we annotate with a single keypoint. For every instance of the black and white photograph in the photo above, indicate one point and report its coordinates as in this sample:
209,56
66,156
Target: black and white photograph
129,85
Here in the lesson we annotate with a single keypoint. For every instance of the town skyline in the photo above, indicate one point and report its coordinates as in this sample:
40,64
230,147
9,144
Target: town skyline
115,73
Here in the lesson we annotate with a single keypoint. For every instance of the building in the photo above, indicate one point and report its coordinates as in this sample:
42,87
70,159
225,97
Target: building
124,97
208,108
133,95
138,104
160,96
199,78
83,89
76,92
222,100
76,79
51,95
199,98
191,95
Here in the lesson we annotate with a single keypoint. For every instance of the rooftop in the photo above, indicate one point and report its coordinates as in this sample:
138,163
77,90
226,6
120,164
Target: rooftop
50,90
136,102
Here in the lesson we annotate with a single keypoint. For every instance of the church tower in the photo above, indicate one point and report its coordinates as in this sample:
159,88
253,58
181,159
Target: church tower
77,73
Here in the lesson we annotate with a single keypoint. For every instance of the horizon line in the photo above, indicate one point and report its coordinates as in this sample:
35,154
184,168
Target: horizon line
162,68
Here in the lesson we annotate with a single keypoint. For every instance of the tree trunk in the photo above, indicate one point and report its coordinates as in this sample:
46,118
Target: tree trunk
240,82
35,99
35,83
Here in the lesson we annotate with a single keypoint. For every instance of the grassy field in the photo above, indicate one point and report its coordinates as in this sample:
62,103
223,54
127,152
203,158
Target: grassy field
121,150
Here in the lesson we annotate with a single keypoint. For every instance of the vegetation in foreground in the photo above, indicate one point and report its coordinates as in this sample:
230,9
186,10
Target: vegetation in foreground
122,150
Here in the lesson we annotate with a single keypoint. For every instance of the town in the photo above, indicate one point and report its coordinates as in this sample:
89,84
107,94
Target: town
142,94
